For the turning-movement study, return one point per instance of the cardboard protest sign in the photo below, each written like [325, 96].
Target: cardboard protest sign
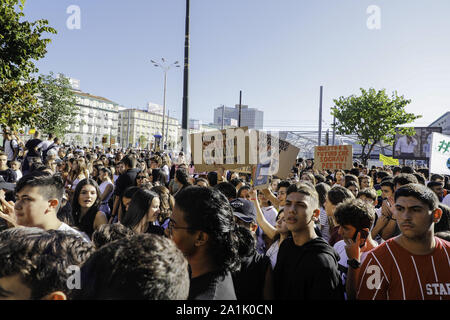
[240, 149]
[227, 149]
[282, 163]
[260, 176]
[440, 154]
[333, 157]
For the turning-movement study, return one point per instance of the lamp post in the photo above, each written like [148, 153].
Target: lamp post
[165, 67]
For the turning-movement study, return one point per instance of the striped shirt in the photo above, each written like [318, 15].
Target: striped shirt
[390, 272]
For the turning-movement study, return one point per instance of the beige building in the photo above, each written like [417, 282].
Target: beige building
[137, 128]
[96, 123]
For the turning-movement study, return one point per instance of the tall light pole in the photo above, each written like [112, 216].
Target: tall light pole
[320, 116]
[185, 115]
[165, 67]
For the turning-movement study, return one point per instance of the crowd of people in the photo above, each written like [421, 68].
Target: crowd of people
[138, 224]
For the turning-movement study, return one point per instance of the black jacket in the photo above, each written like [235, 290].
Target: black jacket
[307, 272]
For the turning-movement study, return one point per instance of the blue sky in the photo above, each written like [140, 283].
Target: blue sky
[278, 52]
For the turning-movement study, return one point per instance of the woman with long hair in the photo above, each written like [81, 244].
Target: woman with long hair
[86, 207]
[106, 190]
[63, 169]
[166, 164]
[322, 189]
[167, 202]
[76, 174]
[281, 234]
[96, 172]
[365, 181]
[277, 233]
[143, 212]
[339, 178]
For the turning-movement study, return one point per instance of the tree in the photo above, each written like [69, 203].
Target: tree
[372, 117]
[58, 105]
[21, 43]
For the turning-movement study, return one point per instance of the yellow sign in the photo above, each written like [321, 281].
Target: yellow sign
[389, 161]
[32, 131]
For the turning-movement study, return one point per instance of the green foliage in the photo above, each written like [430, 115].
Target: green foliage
[372, 117]
[21, 43]
[58, 105]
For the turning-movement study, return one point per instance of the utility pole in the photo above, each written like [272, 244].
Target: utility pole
[320, 116]
[334, 128]
[167, 129]
[185, 116]
[240, 107]
[223, 115]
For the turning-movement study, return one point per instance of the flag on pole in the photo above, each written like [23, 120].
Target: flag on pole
[388, 161]
[440, 154]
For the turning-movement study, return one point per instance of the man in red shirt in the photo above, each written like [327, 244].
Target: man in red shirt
[414, 265]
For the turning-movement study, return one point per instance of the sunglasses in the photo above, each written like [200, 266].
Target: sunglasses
[140, 177]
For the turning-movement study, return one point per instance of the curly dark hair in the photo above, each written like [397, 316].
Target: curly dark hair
[166, 201]
[338, 194]
[107, 233]
[41, 258]
[142, 267]
[227, 189]
[208, 210]
[182, 177]
[355, 212]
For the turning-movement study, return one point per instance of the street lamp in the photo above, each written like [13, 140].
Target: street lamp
[165, 67]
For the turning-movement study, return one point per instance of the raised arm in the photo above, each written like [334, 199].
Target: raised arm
[268, 229]
[271, 197]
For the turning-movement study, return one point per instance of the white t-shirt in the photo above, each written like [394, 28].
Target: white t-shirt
[166, 170]
[65, 227]
[10, 151]
[272, 253]
[446, 200]
[53, 151]
[340, 249]
[270, 213]
[19, 174]
[44, 145]
[404, 146]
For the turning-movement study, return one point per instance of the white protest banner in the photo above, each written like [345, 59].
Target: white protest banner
[440, 154]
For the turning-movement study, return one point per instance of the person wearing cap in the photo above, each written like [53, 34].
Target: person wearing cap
[253, 280]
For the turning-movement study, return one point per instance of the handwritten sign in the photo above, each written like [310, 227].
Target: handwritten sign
[333, 157]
